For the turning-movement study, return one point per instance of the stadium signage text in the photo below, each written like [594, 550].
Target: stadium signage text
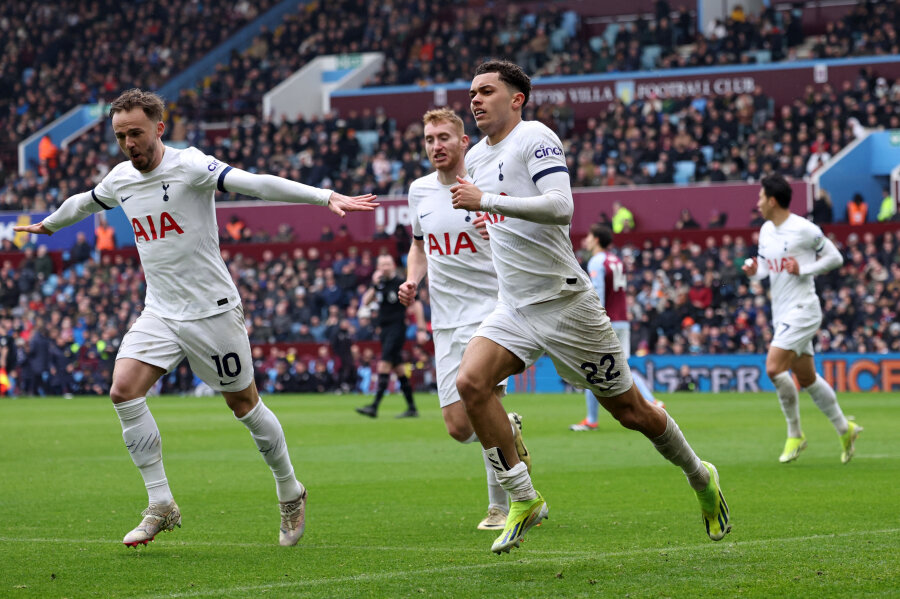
[745, 372]
[629, 91]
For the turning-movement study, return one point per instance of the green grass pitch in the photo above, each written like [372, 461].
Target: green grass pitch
[394, 503]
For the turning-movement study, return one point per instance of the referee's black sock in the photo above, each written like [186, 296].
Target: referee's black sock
[407, 391]
[383, 380]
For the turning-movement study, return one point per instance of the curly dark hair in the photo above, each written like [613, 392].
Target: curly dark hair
[510, 73]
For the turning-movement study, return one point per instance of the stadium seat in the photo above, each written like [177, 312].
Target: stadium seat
[707, 152]
[612, 30]
[684, 171]
[368, 141]
[650, 57]
[570, 23]
[651, 168]
[596, 43]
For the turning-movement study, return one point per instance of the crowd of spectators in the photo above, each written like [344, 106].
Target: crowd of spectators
[57, 55]
[730, 137]
[60, 333]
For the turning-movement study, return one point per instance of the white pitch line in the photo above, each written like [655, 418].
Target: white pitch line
[564, 553]
[526, 556]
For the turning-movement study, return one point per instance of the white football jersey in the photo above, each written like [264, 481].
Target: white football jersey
[172, 211]
[534, 262]
[795, 238]
[461, 277]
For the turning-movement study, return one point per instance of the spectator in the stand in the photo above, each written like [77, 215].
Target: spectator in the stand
[888, 208]
[686, 220]
[822, 212]
[43, 262]
[235, 228]
[81, 250]
[757, 220]
[857, 210]
[48, 154]
[718, 219]
[105, 235]
[622, 219]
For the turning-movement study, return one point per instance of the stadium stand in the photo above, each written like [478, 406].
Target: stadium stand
[358, 144]
[59, 55]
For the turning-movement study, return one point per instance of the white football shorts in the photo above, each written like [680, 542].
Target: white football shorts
[217, 347]
[796, 331]
[449, 346]
[622, 329]
[574, 331]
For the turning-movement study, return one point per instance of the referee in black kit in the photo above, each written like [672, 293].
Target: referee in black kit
[392, 323]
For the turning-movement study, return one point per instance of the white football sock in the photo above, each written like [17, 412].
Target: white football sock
[516, 482]
[269, 437]
[497, 497]
[826, 400]
[143, 442]
[674, 447]
[790, 404]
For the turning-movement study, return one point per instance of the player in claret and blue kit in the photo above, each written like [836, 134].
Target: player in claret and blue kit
[192, 308]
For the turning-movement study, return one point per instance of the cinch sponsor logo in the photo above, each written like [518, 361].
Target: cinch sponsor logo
[544, 151]
[212, 166]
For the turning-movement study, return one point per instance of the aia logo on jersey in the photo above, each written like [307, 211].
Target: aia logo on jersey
[492, 219]
[166, 224]
[777, 265]
[450, 248]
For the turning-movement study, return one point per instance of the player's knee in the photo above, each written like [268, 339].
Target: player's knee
[460, 433]
[471, 387]
[120, 392]
[773, 371]
[806, 380]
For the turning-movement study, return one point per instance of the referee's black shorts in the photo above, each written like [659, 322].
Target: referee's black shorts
[392, 338]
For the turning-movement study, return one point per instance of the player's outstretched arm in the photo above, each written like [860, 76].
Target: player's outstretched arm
[37, 228]
[278, 189]
[341, 204]
[74, 209]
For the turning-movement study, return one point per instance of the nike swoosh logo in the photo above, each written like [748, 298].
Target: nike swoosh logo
[225, 383]
[424, 215]
[125, 198]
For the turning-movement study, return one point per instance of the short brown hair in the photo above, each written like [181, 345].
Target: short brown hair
[510, 73]
[432, 117]
[152, 104]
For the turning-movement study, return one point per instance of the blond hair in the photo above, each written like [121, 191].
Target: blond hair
[444, 115]
[152, 104]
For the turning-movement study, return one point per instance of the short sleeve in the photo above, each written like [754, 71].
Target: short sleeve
[105, 192]
[816, 237]
[204, 171]
[545, 155]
